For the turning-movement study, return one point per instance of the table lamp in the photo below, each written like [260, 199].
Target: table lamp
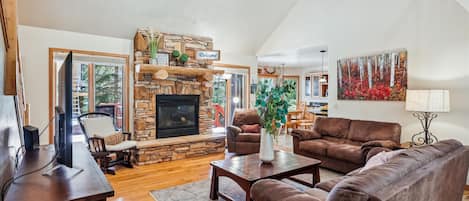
[425, 104]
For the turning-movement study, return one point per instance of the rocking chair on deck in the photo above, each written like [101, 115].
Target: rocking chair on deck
[100, 131]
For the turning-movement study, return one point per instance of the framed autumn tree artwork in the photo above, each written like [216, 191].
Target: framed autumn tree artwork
[379, 77]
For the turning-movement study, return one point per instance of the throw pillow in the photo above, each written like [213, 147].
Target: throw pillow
[254, 128]
[114, 139]
[380, 158]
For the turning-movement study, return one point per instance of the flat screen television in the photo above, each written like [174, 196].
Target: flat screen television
[63, 111]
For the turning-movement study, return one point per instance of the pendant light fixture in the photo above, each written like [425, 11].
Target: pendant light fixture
[323, 77]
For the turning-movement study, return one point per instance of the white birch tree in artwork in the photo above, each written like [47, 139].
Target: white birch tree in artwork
[393, 67]
[348, 68]
[370, 73]
[360, 68]
[381, 67]
[339, 71]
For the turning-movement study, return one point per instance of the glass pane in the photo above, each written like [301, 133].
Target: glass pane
[268, 81]
[315, 85]
[237, 93]
[219, 101]
[291, 97]
[80, 94]
[109, 91]
[308, 86]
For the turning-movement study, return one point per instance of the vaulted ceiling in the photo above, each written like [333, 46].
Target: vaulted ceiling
[238, 26]
[464, 3]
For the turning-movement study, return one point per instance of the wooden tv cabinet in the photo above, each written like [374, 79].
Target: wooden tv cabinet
[90, 184]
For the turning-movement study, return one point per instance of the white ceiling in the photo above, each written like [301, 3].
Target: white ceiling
[302, 57]
[464, 3]
[237, 26]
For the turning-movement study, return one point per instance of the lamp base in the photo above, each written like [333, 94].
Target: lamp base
[424, 137]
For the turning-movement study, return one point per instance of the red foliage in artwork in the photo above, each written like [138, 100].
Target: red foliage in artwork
[377, 77]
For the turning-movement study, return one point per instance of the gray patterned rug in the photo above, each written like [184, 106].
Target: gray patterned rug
[199, 191]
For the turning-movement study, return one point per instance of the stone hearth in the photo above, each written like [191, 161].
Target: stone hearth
[168, 149]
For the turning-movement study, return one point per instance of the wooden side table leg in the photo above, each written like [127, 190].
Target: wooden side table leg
[214, 185]
[316, 177]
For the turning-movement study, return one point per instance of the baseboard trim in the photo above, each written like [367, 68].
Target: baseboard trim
[466, 187]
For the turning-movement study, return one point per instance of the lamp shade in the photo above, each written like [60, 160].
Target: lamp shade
[427, 101]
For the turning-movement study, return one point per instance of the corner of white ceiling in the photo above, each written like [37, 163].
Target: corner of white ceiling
[464, 3]
[259, 50]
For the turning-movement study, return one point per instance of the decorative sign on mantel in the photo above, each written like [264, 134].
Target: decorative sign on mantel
[212, 55]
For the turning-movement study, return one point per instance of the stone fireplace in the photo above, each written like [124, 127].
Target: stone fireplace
[173, 115]
[177, 115]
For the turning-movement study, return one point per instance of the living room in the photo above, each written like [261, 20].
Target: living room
[169, 100]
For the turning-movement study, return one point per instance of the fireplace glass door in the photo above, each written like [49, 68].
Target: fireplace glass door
[177, 115]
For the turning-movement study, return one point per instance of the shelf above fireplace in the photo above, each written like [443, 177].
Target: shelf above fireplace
[177, 70]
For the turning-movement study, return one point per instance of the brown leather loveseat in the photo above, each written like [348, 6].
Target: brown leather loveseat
[343, 144]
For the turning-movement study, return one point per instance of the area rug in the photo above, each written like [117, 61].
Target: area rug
[199, 191]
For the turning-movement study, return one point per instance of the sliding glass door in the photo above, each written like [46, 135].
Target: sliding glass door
[230, 91]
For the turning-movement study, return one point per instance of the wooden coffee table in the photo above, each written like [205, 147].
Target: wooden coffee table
[245, 170]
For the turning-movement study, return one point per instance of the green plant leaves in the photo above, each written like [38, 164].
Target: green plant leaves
[272, 106]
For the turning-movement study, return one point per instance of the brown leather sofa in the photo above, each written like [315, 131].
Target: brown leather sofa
[343, 144]
[238, 141]
[429, 173]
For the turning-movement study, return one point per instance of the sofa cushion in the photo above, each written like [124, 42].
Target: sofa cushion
[335, 127]
[346, 152]
[248, 137]
[365, 131]
[318, 147]
[317, 193]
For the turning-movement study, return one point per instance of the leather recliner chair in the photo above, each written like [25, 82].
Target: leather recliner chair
[238, 141]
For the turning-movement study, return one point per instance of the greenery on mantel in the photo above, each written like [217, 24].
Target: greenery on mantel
[272, 106]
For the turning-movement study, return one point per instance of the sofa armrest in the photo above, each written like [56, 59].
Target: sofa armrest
[303, 134]
[371, 148]
[274, 190]
[233, 131]
[375, 150]
[381, 143]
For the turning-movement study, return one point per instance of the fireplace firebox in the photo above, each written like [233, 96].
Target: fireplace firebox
[177, 115]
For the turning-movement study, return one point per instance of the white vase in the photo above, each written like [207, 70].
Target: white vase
[266, 154]
[153, 61]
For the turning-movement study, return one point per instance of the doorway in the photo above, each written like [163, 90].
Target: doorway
[100, 84]
[230, 91]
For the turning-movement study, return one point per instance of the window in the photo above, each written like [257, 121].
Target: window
[100, 84]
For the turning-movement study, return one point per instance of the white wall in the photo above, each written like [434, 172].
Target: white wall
[435, 33]
[34, 45]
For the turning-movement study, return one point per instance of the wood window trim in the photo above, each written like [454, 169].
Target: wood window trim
[52, 80]
[9, 21]
[248, 83]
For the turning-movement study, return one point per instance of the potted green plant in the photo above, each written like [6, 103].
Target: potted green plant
[153, 46]
[272, 108]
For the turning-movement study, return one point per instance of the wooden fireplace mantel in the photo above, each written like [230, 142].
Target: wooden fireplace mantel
[177, 70]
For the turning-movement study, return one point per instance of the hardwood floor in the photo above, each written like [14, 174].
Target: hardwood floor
[135, 184]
